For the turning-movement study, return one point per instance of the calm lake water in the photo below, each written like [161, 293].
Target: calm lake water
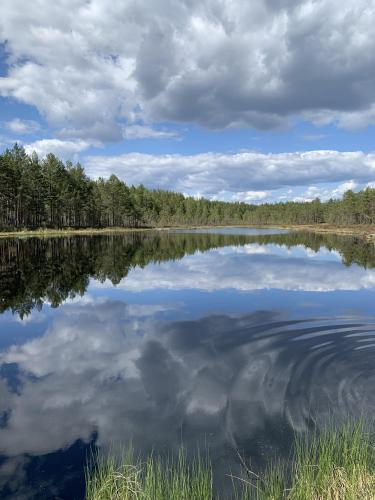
[230, 339]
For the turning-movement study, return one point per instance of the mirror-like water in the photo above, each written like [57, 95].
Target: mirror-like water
[231, 339]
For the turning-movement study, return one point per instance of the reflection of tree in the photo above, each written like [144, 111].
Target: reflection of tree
[36, 270]
[352, 250]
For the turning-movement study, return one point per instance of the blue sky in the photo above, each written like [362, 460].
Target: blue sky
[258, 101]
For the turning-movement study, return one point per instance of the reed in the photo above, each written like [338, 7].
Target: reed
[131, 478]
[337, 463]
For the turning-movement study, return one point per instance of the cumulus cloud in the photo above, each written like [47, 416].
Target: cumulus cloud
[245, 175]
[145, 132]
[61, 148]
[154, 383]
[225, 270]
[250, 196]
[89, 68]
[326, 192]
[21, 127]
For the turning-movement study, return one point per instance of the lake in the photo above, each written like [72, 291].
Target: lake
[226, 339]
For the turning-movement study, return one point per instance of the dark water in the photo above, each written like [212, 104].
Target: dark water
[231, 339]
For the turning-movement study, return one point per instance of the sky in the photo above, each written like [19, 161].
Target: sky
[258, 101]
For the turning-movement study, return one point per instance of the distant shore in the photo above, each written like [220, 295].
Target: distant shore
[364, 231]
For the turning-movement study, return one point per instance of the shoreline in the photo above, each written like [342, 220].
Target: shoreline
[364, 231]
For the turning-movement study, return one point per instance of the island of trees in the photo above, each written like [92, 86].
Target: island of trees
[49, 193]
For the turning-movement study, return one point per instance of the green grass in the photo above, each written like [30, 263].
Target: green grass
[130, 478]
[337, 463]
[360, 230]
[49, 233]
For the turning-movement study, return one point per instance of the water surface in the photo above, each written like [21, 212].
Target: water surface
[232, 339]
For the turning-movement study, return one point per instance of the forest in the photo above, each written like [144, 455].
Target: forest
[49, 193]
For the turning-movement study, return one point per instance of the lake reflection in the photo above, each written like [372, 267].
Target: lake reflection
[230, 340]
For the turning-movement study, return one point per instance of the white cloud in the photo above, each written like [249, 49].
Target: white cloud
[62, 149]
[325, 192]
[143, 132]
[250, 196]
[246, 175]
[98, 372]
[22, 127]
[345, 186]
[222, 269]
[90, 68]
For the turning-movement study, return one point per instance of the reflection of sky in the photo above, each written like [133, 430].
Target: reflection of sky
[249, 278]
[252, 267]
[180, 349]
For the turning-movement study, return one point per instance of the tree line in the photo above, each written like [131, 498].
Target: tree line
[48, 193]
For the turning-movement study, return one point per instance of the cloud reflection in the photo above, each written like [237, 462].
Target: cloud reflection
[101, 371]
[252, 267]
[116, 372]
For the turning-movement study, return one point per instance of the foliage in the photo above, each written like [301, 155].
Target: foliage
[47, 193]
[153, 479]
[337, 463]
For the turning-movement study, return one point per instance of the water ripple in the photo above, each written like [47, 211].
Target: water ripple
[299, 373]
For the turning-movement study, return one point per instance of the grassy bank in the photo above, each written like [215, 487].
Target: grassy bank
[335, 464]
[364, 231]
[338, 463]
[49, 233]
[132, 479]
